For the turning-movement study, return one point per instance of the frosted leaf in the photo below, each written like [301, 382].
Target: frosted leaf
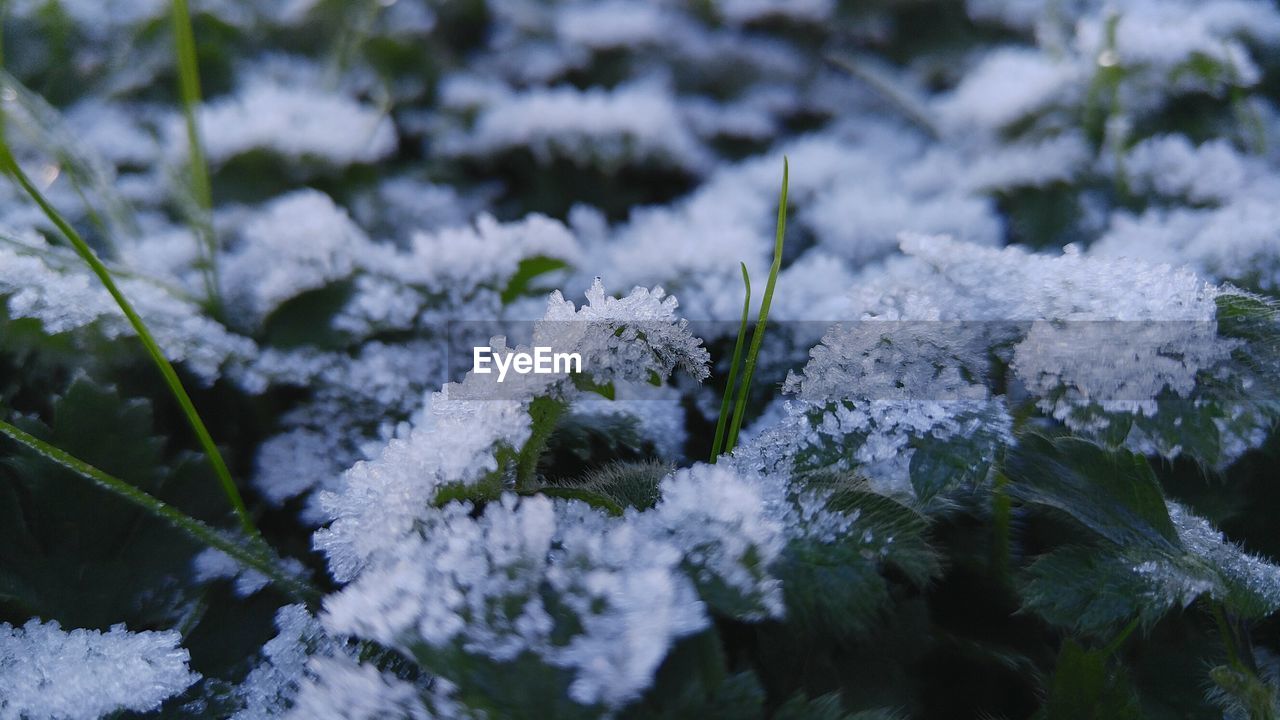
[339, 688]
[635, 337]
[613, 24]
[270, 688]
[405, 201]
[1156, 37]
[873, 390]
[746, 11]
[383, 498]
[477, 585]
[457, 436]
[1211, 566]
[46, 672]
[853, 217]
[720, 522]
[1252, 574]
[113, 131]
[633, 123]
[1159, 377]
[293, 121]
[293, 462]
[1235, 242]
[1027, 164]
[54, 287]
[1076, 368]
[1006, 86]
[168, 252]
[456, 273]
[1171, 166]
[298, 242]
[956, 278]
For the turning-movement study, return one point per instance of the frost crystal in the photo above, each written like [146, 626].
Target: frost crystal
[1250, 573]
[720, 523]
[54, 287]
[46, 672]
[294, 121]
[339, 688]
[298, 242]
[478, 584]
[630, 123]
[271, 686]
[457, 436]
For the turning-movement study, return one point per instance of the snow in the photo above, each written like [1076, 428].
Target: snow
[48, 672]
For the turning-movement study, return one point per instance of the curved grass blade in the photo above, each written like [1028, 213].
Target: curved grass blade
[757, 339]
[195, 529]
[9, 165]
[725, 404]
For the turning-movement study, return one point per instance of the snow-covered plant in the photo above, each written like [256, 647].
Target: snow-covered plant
[977, 420]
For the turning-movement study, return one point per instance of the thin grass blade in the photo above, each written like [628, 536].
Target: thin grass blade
[9, 165]
[757, 339]
[195, 529]
[201, 186]
[727, 402]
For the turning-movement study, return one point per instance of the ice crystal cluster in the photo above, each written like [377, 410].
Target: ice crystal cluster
[1023, 354]
[48, 672]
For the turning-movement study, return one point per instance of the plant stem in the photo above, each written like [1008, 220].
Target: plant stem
[762, 321]
[545, 412]
[1228, 635]
[1118, 641]
[9, 165]
[1002, 514]
[201, 187]
[195, 529]
[726, 402]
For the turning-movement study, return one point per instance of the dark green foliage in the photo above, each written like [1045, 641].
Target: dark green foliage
[1088, 590]
[1114, 494]
[74, 553]
[1086, 686]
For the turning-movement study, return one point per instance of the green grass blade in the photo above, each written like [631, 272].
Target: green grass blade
[726, 403]
[195, 529]
[9, 165]
[201, 186]
[757, 339]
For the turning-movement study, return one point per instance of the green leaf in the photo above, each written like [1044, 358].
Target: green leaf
[1090, 591]
[82, 556]
[1086, 685]
[891, 533]
[586, 383]
[938, 466]
[1113, 493]
[694, 682]
[527, 271]
[306, 320]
